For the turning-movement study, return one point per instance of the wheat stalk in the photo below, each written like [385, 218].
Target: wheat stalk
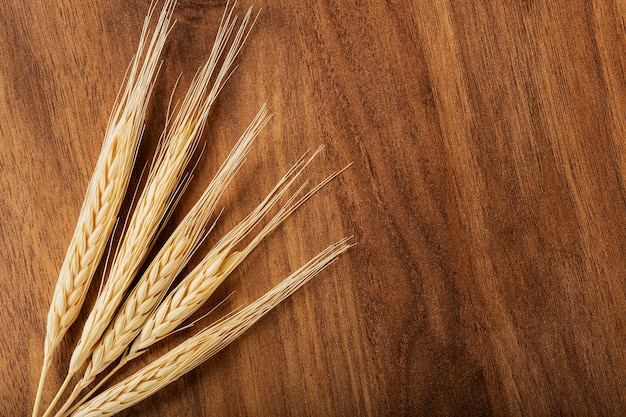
[158, 196]
[167, 264]
[105, 191]
[197, 349]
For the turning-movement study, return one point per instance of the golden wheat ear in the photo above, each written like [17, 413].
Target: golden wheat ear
[167, 264]
[197, 349]
[106, 190]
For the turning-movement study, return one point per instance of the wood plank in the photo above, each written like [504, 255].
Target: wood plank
[486, 197]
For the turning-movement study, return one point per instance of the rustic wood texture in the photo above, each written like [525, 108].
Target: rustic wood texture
[487, 199]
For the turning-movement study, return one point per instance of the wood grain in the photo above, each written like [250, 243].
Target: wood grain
[487, 197]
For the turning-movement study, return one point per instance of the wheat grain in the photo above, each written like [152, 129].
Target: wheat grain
[167, 264]
[197, 349]
[105, 191]
[158, 196]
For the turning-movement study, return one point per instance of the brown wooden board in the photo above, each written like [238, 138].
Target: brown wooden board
[486, 196]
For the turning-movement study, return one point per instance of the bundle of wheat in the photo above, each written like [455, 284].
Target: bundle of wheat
[127, 319]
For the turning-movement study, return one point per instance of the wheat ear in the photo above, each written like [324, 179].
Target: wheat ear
[197, 349]
[158, 196]
[105, 191]
[193, 291]
[167, 264]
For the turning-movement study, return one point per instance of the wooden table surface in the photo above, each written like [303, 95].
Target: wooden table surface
[487, 198]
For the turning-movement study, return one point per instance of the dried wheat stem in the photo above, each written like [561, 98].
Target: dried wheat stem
[197, 349]
[292, 205]
[167, 264]
[200, 283]
[106, 190]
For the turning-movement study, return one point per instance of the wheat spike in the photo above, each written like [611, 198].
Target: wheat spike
[158, 196]
[105, 191]
[197, 349]
[193, 291]
[167, 264]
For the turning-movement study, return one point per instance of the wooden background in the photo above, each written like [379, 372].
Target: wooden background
[487, 199]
